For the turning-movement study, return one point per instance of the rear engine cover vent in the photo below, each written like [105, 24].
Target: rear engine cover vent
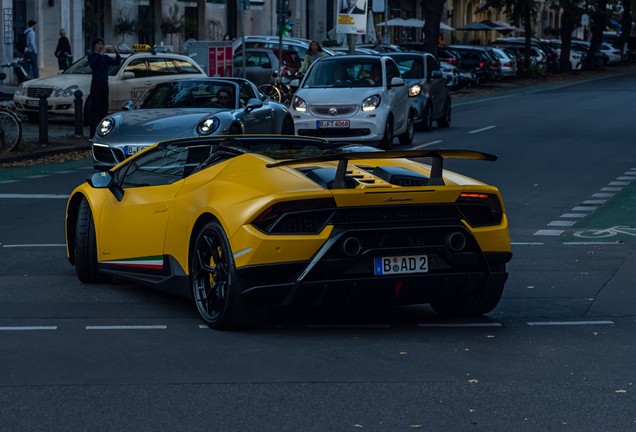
[400, 176]
[325, 177]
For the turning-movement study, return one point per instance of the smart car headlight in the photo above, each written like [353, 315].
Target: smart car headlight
[371, 103]
[299, 104]
[208, 125]
[70, 91]
[105, 126]
[415, 90]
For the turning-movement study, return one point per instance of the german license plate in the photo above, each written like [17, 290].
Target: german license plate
[401, 265]
[131, 150]
[33, 103]
[332, 124]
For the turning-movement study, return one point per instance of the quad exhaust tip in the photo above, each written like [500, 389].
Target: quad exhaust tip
[351, 246]
[456, 241]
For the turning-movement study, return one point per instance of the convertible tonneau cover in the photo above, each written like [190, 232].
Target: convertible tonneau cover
[436, 168]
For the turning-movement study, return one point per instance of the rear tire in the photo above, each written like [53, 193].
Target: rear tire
[234, 130]
[86, 247]
[445, 121]
[288, 127]
[479, 304]
[407, 137]
[387, 139]
[216, 286]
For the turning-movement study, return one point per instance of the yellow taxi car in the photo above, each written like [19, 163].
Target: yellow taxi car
[246, 223]
[140, 68]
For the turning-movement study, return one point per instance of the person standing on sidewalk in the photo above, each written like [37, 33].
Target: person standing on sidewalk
[63, 50]
[99, 63]
[31, 53]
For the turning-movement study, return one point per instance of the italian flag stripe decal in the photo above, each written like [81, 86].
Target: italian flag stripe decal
[150, 262]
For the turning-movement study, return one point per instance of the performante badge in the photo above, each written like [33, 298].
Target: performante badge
[333, 111]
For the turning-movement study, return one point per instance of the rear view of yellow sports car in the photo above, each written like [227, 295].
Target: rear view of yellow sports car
[249, 223]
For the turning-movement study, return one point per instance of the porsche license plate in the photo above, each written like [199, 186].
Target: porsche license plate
[131, 150]
[33, 103]
[332, 124]
[401, 265]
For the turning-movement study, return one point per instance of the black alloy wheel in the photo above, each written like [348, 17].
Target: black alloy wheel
[234, 130]
[86, 267]
[445, 121]
[387, 139]
[216, 287]
[427, 122]
[407, 137]
[288, 127]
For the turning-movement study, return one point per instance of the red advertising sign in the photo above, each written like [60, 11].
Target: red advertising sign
[220, 62]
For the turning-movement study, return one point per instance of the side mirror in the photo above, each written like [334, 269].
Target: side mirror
[253, 104]
[294, 83]
[127, 75]
[397, 82]
[436, 74]
[127, 106]
[103, 180]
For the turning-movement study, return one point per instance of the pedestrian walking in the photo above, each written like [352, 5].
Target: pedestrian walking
[63, 50]
[31, 53]
[314, 53]
[99, 62]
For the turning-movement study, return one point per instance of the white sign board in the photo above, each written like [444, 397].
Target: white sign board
[378, 6]
[352, 16]
[585, 20]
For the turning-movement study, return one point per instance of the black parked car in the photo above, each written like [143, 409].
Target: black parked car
[478, 61]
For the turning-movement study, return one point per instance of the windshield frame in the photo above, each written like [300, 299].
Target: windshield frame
[334, 61]
[194, 81]
[112, 70]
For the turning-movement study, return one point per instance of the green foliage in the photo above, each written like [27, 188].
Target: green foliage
[146, 25]
[173, 23]
[125, 26]
[92, 21]
[535, 71]
[329, 43]
[25, 147]
[190, 26]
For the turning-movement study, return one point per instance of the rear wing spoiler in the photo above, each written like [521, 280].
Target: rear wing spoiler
[437, 166]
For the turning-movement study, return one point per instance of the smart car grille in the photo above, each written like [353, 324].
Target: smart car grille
[34, 92]
[395, 213]
[341, 110]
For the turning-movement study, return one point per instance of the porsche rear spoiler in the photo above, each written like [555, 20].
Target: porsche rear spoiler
[436, 167]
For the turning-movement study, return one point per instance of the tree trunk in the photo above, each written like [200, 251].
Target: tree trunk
[598, 25]
[567, 26]
[527, 25]
[626, 23]
[432, 18]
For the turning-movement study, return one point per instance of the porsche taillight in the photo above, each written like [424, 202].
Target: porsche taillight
[296, 217]
[480, 209]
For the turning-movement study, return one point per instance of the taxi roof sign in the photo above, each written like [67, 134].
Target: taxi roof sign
[141, 47]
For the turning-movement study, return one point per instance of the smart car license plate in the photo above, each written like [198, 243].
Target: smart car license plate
[401, 265]
[34, 103]
[332, 124]
[131, 150]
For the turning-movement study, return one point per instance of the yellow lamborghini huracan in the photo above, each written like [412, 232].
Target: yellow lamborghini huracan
[248, 223]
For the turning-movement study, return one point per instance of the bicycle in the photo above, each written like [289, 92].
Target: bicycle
[10, 123]
[607, 232]
[277, 92]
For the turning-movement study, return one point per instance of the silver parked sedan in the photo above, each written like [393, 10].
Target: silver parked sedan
[187, 108]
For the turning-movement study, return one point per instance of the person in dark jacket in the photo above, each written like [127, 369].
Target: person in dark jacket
[63, 50]
[99, 63]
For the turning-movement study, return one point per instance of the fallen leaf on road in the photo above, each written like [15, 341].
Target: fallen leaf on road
[26, 275]
[590, 252]
[416, 426]
[619, 241]
[471, 410]
[621, 391]
[590, 299]
[355, 338]
[490, 336]
[473, 422]
[466, 349]
[531, 286]
[595, 334]
[473, 381]
[357, 425]
[403, 352]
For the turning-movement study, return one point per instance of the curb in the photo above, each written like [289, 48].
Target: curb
[43, 153]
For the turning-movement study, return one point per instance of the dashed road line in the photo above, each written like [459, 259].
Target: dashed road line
[584, 208]
[611, 189]
[460, 325]
[131, 327]
[619, 183]
[63, 172]
[574, 215]
[555, 323]
[526, 243]
[28, 328]
[9, 181]
[482, 129]
[554, 233]
[590, 243]
[36, 176]
[599, 202]
[561, 223]
[347, 326]
[427, 144]
[34, 245]
[626, 178]
[36, 196]
[603, 195]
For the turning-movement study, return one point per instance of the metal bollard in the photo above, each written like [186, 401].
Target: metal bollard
[44, 118]
[79, 115]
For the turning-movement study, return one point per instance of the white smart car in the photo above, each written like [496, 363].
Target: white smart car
[354, 98]
[128, 81]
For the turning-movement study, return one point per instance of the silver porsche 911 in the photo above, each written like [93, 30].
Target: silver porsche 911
[187, 108]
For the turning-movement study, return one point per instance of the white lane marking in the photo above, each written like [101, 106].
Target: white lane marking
[63, 172]
[135, 327]
[590, 243]
[36, 245]
[29, 328]
[549, 232]
[33, 196]
[482, 129]
[36, 176]
[603, 195]
[545, 323]
[612, 189]
[630, 173]
[347, 326]
[461, 325]
[9, 181]
[561, 223]
[595, 202]
[526, 243]
[273, 326]
[573, 215]
[626, 178]
[427, 144]
[615, 183]
[582, 208]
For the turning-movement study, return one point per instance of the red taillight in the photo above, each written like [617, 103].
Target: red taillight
[276, 211]
[287, 72]
[506, 64]
[482, 64]
[490, 200]
[451, 60]
[616, 53]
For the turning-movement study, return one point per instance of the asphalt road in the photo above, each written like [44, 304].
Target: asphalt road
[557, 354]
